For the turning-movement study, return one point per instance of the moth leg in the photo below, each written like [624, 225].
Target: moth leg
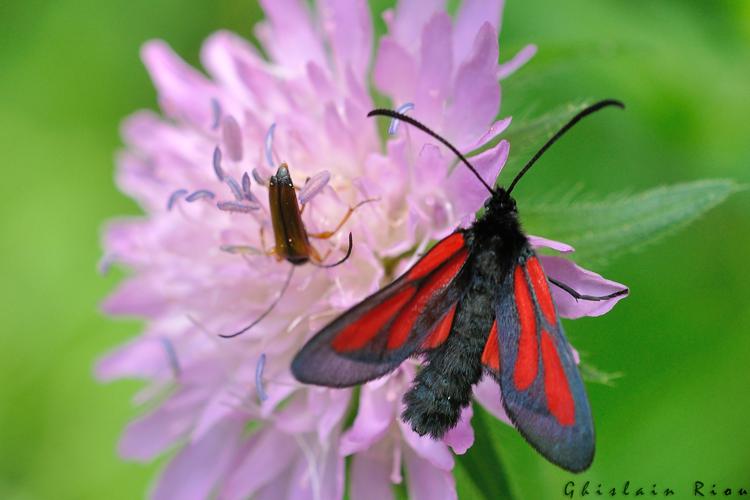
[580, 296]
[324, 235]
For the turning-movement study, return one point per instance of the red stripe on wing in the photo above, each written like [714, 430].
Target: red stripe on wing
[559, 398]
[541, 289]
[404, 323]
[440, 333]
[527, 360]
[491, 353]
[359, 333]
[440, 253]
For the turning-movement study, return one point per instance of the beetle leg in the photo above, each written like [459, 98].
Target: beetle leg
[324, 235]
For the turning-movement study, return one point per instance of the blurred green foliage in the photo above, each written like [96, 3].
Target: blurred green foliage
[71, 72]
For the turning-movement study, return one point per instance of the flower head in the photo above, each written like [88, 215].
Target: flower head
[241, 425]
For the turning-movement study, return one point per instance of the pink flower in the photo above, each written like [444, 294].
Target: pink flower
[197, 259]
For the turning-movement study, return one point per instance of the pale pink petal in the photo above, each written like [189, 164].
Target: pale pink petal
[539, 242]
[461, 437]
[476, 95]
[432, 450]
[466, 190]
[267, 456]
[348, 26]
[224, 54]
[289, 37]
[374, 416]
[318, 473]
[210, 456]
[330, 406]
[425, 481]
[141, 358]
[521, 58]
[435, 69]
[495, 129]
[471, 16]
[582, 281]
[183, 91]
[487, 393]
[410, 18]
[370, 476]
[395, 71]
[150, 435]
[135, 297]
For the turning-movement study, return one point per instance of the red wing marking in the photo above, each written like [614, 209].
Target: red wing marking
[527, 359]
[491, 353]
[437, 256]
[541, 288]
[556, 387]
[404, 323]
[364, 329]
[440, 333]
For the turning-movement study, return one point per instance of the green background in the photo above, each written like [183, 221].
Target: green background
[70, 73]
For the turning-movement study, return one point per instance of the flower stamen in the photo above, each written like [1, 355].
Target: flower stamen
[174, 197]
[200, 194]
[268, 145]
[169, 350]
[234, 206]
[262, 395]
[216, 111]
[217, 164]
[313, 186]
[393, 127]
[235, 187]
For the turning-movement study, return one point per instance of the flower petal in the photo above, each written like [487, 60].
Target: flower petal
[183, 91]
[432, 450]
[211, 456]
[374, 416]
[395, 71]
[472, 15]
[426, 482]
[435, 69]
[476, 94]
[584, 282]
[540, 242]
[348, 26]
[466, 190]
[522, 57]
[152, 434]
[268, 454]
[288, 36]
[487, 393]
[410, 18]
[370, 476]
[461, 437]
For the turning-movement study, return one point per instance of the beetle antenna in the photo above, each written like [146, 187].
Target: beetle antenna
[411, 121]
[267, 311]
[581, 114]
[344, 259]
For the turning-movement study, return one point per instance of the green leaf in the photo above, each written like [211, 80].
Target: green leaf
[600, 230]
[481, 464]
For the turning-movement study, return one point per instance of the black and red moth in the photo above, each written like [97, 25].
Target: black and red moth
[478, 302]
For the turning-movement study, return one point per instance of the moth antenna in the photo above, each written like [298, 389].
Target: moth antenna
[411, 121]
[344, 259]
[267, 311]
[581, 114]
